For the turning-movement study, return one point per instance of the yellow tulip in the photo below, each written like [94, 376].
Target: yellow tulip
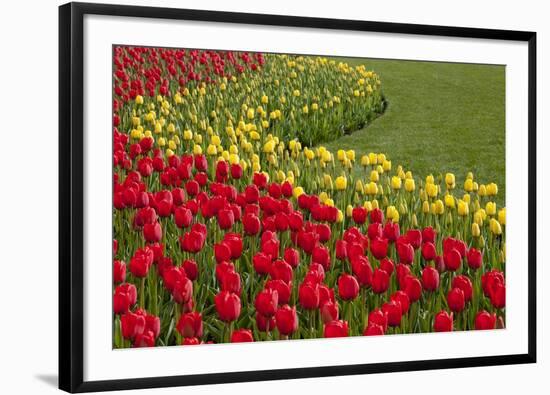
[341, 183]
[492, 189]
[426, 207]
[431, 190]
[365, 160]
[491, 208]
[374, 176]
[269, 146]
[139, 99]
[409, 185]
[449, 201]
[495, 227]
[502, 216]
[450, 180]
[469, 185]
[197, 150]
[439, 207]
[475, 230]
[386, 165]
[297, 191]
[396, 182]
[463, 208]
[349, 210]
[482, 190]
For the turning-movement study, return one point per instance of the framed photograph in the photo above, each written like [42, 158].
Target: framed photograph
[258, 197]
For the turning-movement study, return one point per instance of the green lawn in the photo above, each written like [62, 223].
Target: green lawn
[442, 117]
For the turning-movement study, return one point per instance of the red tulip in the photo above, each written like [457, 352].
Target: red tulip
[428, 251]
[413, 288]
[373, 330]
[251, 224]
[124, 298]
[498, 296]
[182, 291]
[392, 309]
[452, 259]
[152, 232]
[402, 298]
[464, 283]
[362, 269]
[428, 235]
[222, 252]
[119, 271]
[292, 257]
[336, 328]
[283, 290]
[405, 252]
[228, 306]
[341, 249]
[265, 324]
[455, 300]
[380, 281]
[329, 311]
[226, 218]
[191, 269]
[132, 324]
[376, 216]
[261, 263]
[145, 339]
[387, 265]
[348, 287]
[359, 215]
[280, 270]
[266, 302]
[242, 336]
[141, 262]
[443, 322]
[485, 320]
[379, 318]
[391, 231]
[183, 217]
[190, 325]
[308, 295]
[430, 279]
[474, 258]
[321, 255]
[414, 236]
[379, 248]
[286, 320]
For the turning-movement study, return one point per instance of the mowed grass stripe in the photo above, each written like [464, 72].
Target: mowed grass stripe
[442, 117]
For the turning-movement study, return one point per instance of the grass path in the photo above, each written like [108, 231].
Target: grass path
[442, 117]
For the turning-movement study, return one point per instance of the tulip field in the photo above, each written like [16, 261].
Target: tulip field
[233, 223]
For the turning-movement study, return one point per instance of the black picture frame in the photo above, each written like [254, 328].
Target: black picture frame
[71, 204]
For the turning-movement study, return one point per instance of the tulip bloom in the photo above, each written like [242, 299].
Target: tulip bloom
[443, 322]
[485, 320]
[392, 309]
[379, 248]
[266, 302]
[190, 325]
[430, 279]
[228, 306]
[380, 281]
[308, 295]
[336, 328]
[348, 287]
[242, 336]
[286, 320]
[455, 300]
